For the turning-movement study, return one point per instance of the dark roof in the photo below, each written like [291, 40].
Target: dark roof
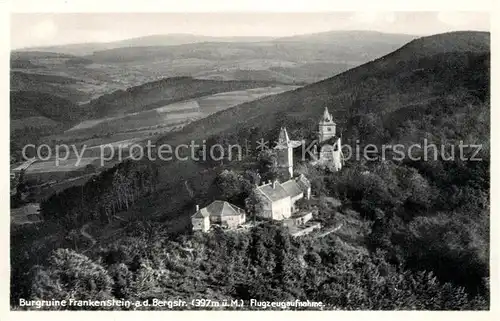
[274, 194]
[292, 188]
[219, 208]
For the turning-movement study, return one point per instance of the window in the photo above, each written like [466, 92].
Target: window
[329, 129]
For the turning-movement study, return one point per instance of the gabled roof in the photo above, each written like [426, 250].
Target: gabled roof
[327, 117]
[201, 213]
[292, 188]
[220, 209]
[274, 194]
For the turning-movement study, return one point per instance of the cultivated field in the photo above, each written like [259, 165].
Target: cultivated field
[163, 119]
[214, 103]
[135, 128]
[64, 165]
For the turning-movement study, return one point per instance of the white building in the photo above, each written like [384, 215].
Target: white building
[279, 199]
[275, 200]
[219, 213]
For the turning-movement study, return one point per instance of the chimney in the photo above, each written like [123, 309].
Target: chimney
[197, 207]
[274, 184]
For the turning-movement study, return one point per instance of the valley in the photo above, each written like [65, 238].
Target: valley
[96, 138]
[90, 73]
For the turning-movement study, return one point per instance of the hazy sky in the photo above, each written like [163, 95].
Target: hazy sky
[42, 29]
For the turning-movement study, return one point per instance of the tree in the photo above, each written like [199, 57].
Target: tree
[229, 184]
[268, 164]
[253, 204]
[123, 280]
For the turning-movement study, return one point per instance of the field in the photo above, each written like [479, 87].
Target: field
[161, 120]
[64, 165]
[214, 103]
[88, 124]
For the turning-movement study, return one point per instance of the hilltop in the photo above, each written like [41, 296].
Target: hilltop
[81, 49]
[419, 237]
[307, 58]
[99, 69]
[161, 40]
[354, 38]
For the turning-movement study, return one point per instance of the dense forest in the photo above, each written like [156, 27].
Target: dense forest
[102, 197]
[425, 245]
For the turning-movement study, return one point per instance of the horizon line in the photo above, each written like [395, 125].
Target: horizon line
[264, 38]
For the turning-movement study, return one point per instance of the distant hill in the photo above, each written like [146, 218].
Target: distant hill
[343, 46]
[292, 60]
[60, 86]
[330, 37]
[80, 49]
[34, 115]
[441, 74]
[24, 54]
[105, 67]
[351, 37]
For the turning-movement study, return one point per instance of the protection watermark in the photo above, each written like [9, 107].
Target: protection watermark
[199, 151]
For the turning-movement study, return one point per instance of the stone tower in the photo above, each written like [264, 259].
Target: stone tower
[326, 127]
[284, 151]
[330, 144]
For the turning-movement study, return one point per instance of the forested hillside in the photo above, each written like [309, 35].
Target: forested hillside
[34, 115]
[407, 78]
